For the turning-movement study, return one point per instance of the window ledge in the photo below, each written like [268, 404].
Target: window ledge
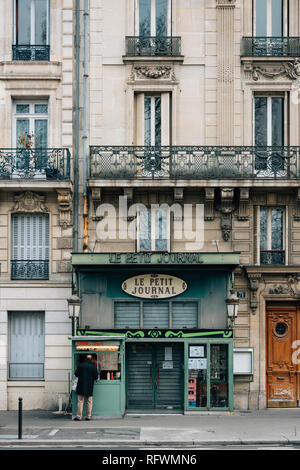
[20, 70]
[25, 383]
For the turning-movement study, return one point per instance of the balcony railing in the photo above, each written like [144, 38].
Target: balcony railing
[272, 257]
[28, 52]
[153, 46]
[51, 164]
[29, 269]
[191, 162]
[270, 47]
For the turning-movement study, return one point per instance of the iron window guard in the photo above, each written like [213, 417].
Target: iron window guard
[44, 163]
[153, 45]
[270, 47]
[29, 269]
[193, 162]
[30, 53]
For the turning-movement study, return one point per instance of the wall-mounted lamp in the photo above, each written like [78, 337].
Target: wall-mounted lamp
[232, 303]
[74, 311]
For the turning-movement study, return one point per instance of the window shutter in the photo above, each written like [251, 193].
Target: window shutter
[30, 237]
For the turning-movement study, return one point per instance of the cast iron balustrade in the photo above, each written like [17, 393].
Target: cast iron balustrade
[30, 53]
[29, 269]
[153, 46]
[272, 257]
[270, 47]
[50, 164]
[192, 162]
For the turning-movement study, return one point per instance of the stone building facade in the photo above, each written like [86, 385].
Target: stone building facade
[173, 105]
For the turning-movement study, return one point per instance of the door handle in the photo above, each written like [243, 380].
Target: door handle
[280, 378]
[150, 376]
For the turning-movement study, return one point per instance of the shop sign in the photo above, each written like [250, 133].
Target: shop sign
[154, 286]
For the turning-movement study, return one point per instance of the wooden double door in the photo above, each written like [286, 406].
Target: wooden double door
[283, 355]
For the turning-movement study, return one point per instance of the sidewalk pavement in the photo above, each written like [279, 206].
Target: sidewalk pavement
[48, 428]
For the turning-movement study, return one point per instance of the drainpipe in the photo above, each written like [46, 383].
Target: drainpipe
[76, 142]
[84, 137]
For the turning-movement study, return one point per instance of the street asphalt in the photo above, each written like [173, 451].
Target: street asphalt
[50, 429]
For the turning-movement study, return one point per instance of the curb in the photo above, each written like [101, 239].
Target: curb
[96, 442]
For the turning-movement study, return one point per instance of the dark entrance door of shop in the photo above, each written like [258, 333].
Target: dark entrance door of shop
[154, 375]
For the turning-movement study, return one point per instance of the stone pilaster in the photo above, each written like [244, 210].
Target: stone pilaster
[225, 71]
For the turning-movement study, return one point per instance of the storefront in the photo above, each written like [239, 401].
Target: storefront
[159, 332]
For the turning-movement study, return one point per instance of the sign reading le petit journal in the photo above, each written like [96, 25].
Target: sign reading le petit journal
[154, 286]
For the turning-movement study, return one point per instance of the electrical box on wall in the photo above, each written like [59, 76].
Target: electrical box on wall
[243, 361]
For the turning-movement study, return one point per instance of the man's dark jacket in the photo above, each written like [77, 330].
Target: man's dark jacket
[87, 373]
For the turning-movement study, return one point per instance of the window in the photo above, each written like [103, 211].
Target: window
[26, 345]
[152, 119]
[30, 246]
[31, 30]
[31, 124]
[269, 18]
[30, 137]
[145, 314]
[153, 230]
[154, 17]
[272, 236]
[269, 131]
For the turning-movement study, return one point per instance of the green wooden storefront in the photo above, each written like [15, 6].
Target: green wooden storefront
[173, 353]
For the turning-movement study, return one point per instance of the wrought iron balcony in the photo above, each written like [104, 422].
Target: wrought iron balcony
[30, 53]
[51, 164]
[191, 162]
[272, 257]
[153, 46]
[270, 47]
[29, 269]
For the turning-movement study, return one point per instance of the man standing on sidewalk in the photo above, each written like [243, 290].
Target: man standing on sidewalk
[87, 373]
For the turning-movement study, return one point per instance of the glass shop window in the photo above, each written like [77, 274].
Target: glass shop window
[106, 357]
[197, 376]
[208, 376]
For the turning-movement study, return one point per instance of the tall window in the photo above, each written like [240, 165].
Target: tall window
[31, 30]
[153, 230]
[269, 16]
[153, 119]
[26, 345]
[154, 17]
[269, 131]
[272, 235]
[30, 246]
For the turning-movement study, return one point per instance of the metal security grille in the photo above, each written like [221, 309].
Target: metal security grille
[156, 314]
[26, 345]
[149, 383]
[184, 315]
[127, 315]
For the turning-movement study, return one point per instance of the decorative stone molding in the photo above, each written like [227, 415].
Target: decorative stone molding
[209, 213]
[152, 72]
[96, 199]
[178, 194]
[243, 211]
[29, 202]
[291, 287]
[254, 279]
[64, 200]
[273, 71]
[226, 205]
